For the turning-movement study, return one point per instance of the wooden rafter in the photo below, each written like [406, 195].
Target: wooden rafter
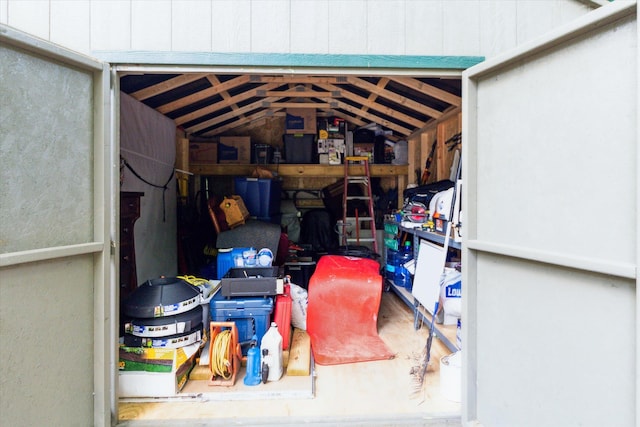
[430, 90]
[372, 117]
[388, 111]
[166, 86]
[203, 94]
[194, 115]
[224, 117]
[242, 122]
[392, 96]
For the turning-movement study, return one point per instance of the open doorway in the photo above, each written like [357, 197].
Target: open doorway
[397, 319]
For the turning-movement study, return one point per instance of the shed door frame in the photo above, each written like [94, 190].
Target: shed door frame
[489, 253]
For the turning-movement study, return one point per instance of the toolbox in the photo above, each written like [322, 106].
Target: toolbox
[251, 281]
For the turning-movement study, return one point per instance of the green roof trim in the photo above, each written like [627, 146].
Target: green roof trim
[289, 60]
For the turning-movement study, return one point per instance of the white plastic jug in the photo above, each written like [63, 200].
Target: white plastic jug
[271, 351]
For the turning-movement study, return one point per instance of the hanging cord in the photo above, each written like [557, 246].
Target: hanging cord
[221, 355]
[164, 187]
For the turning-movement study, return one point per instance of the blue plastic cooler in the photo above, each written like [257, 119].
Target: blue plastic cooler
[251, 314]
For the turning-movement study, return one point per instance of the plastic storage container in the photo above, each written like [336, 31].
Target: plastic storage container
[262, 154]
[261, 196]
[391, 265]
[226, 260]
[300, 272]
[300, 148]
[402, 276]
[282, 316]
[251, 315]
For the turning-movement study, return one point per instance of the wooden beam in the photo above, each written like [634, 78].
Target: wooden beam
[299, 354]
[279, 105]
[297, 79]
[372, 117]
[377, 107]
[194, 115]
[203, 94]
[297, 170]
[243, 121]
[224, 117]
[399, 99]
[166, 86]
[429, 90]
[295, 93]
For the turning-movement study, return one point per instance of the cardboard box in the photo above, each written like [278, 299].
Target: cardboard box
[155, 372]
[234, 149]
[301, 120]
[203, 152]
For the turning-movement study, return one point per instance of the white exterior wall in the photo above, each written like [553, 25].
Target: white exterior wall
[365, 27]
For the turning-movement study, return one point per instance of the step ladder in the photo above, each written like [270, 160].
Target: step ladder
[359, 229]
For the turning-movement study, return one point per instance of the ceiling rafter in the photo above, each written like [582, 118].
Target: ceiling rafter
[166, 86]
[242, 122]
[194, 115]
[388, 111]
[392, 96]
[203, 94]
[372, 117]
[212, 103]
[224, 117]
[429, 90]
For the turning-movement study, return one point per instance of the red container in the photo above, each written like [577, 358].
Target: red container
[282, 316]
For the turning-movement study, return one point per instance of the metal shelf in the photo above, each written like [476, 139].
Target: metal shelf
[446, 333]
[431, 236]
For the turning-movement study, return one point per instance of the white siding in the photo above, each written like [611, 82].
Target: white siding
[270, 26]
[347, 21]
[70, 24]
[373, 27]
[231, 23]
[3, 11]
[385, 27]
[501, 16]
[151, 27]
[31, 16]
[111, 25]
[309, 29]
[424, 27]
[191, 25]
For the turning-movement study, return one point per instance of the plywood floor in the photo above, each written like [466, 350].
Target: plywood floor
[369, 393]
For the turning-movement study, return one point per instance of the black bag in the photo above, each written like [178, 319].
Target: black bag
[424, 193]
[318, 230]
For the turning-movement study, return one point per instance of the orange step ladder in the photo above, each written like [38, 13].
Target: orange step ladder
[354, 226]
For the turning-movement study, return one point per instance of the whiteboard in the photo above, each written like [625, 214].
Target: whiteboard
[429, 268]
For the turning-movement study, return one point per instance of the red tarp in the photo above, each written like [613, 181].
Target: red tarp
[342, 313]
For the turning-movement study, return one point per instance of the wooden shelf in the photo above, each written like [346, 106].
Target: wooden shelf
[300, 170]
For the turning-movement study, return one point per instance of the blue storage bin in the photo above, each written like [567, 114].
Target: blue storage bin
[224, 260]
[252, 316]
[261, 196]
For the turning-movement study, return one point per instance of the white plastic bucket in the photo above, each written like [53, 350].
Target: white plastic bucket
[451, 376]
